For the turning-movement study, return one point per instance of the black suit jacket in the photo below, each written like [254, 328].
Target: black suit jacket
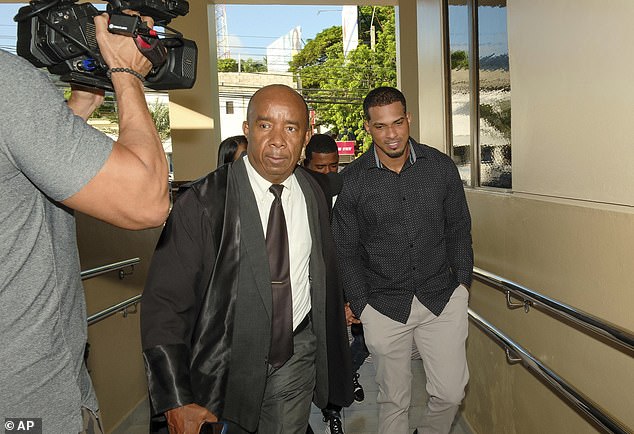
[206, 307]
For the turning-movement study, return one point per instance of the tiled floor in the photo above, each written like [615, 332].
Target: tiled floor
[359, 418]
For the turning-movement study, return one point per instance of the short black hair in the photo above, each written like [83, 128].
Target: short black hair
[228, 147]
[320, 143]
[381, 96]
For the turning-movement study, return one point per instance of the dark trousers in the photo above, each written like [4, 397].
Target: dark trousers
[358, 349]
[289, 391]
[359, 353]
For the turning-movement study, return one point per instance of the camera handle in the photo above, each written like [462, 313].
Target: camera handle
[145, 38]
[152, 48]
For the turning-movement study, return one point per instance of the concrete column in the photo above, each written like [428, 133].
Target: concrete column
[431, 73]
[407, 59]
[194, 113]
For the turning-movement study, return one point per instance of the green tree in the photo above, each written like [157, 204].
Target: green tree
[311, 60]
[248, 65]
[107, 110]
[161, 117]
[498, 116]
[227, 65]
[251, 65]
[335, 86]
[459, 60]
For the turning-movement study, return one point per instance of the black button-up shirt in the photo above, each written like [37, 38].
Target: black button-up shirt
[402, 234]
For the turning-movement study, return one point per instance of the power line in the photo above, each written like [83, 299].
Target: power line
[261, 48]
[254, 37]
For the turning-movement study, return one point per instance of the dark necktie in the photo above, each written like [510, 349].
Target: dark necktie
[277, 249]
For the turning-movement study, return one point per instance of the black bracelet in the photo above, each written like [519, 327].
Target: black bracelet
[128, 70]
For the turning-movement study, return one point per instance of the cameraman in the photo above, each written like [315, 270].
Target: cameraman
[51, 163]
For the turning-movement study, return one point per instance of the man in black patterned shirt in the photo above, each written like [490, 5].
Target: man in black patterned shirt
[403, 235]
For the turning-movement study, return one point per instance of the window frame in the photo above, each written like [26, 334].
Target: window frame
[474, 95]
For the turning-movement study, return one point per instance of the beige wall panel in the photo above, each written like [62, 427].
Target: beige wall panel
[482, 416]
[196, 154]
[573, 98]
[558, 245]
[508, 399]
[574, 254]
[115, 361]
[195, 113]
[431, 74]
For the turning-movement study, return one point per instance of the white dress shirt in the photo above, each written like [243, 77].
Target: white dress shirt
[298, 231]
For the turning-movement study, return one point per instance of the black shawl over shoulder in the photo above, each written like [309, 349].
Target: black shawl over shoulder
[188, 305]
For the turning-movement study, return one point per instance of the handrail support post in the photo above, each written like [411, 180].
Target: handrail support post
[123, 273]
[129, 310]
[512, 305]
[509, 358]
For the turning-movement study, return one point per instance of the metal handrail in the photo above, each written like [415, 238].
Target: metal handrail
[93, 272]
[578, 399]
[611, 331]
[113, 309]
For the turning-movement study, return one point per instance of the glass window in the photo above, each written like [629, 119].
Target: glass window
[487, 141]
[229, 107]
[494, 89]
[460, 88]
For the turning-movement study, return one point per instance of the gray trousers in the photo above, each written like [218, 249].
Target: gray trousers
[441, 343]
[289, 391]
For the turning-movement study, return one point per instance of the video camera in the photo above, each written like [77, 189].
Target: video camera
[60, 35]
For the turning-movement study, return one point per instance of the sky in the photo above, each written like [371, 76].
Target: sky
[7, 26]
[254, 27]
[248, 26]
[492, 20]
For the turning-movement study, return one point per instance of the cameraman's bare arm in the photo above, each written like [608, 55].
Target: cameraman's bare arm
[84, 101]
[131, 189]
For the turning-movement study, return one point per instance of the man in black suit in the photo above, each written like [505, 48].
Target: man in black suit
[322, 156]
[210, 314]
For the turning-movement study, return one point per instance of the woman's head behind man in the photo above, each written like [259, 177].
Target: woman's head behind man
[231, 149]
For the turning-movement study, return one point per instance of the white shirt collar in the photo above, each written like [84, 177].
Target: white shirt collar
[261, 186]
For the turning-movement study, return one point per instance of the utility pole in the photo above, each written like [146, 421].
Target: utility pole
[222, 38]
[372, 30]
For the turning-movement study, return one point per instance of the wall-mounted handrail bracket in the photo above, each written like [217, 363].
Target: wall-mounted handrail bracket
[516, 353]
[119, 307]
[623, 337]
[130, 310]
[512, 305]
[123, 273]
[511, 359]
[98, 271]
